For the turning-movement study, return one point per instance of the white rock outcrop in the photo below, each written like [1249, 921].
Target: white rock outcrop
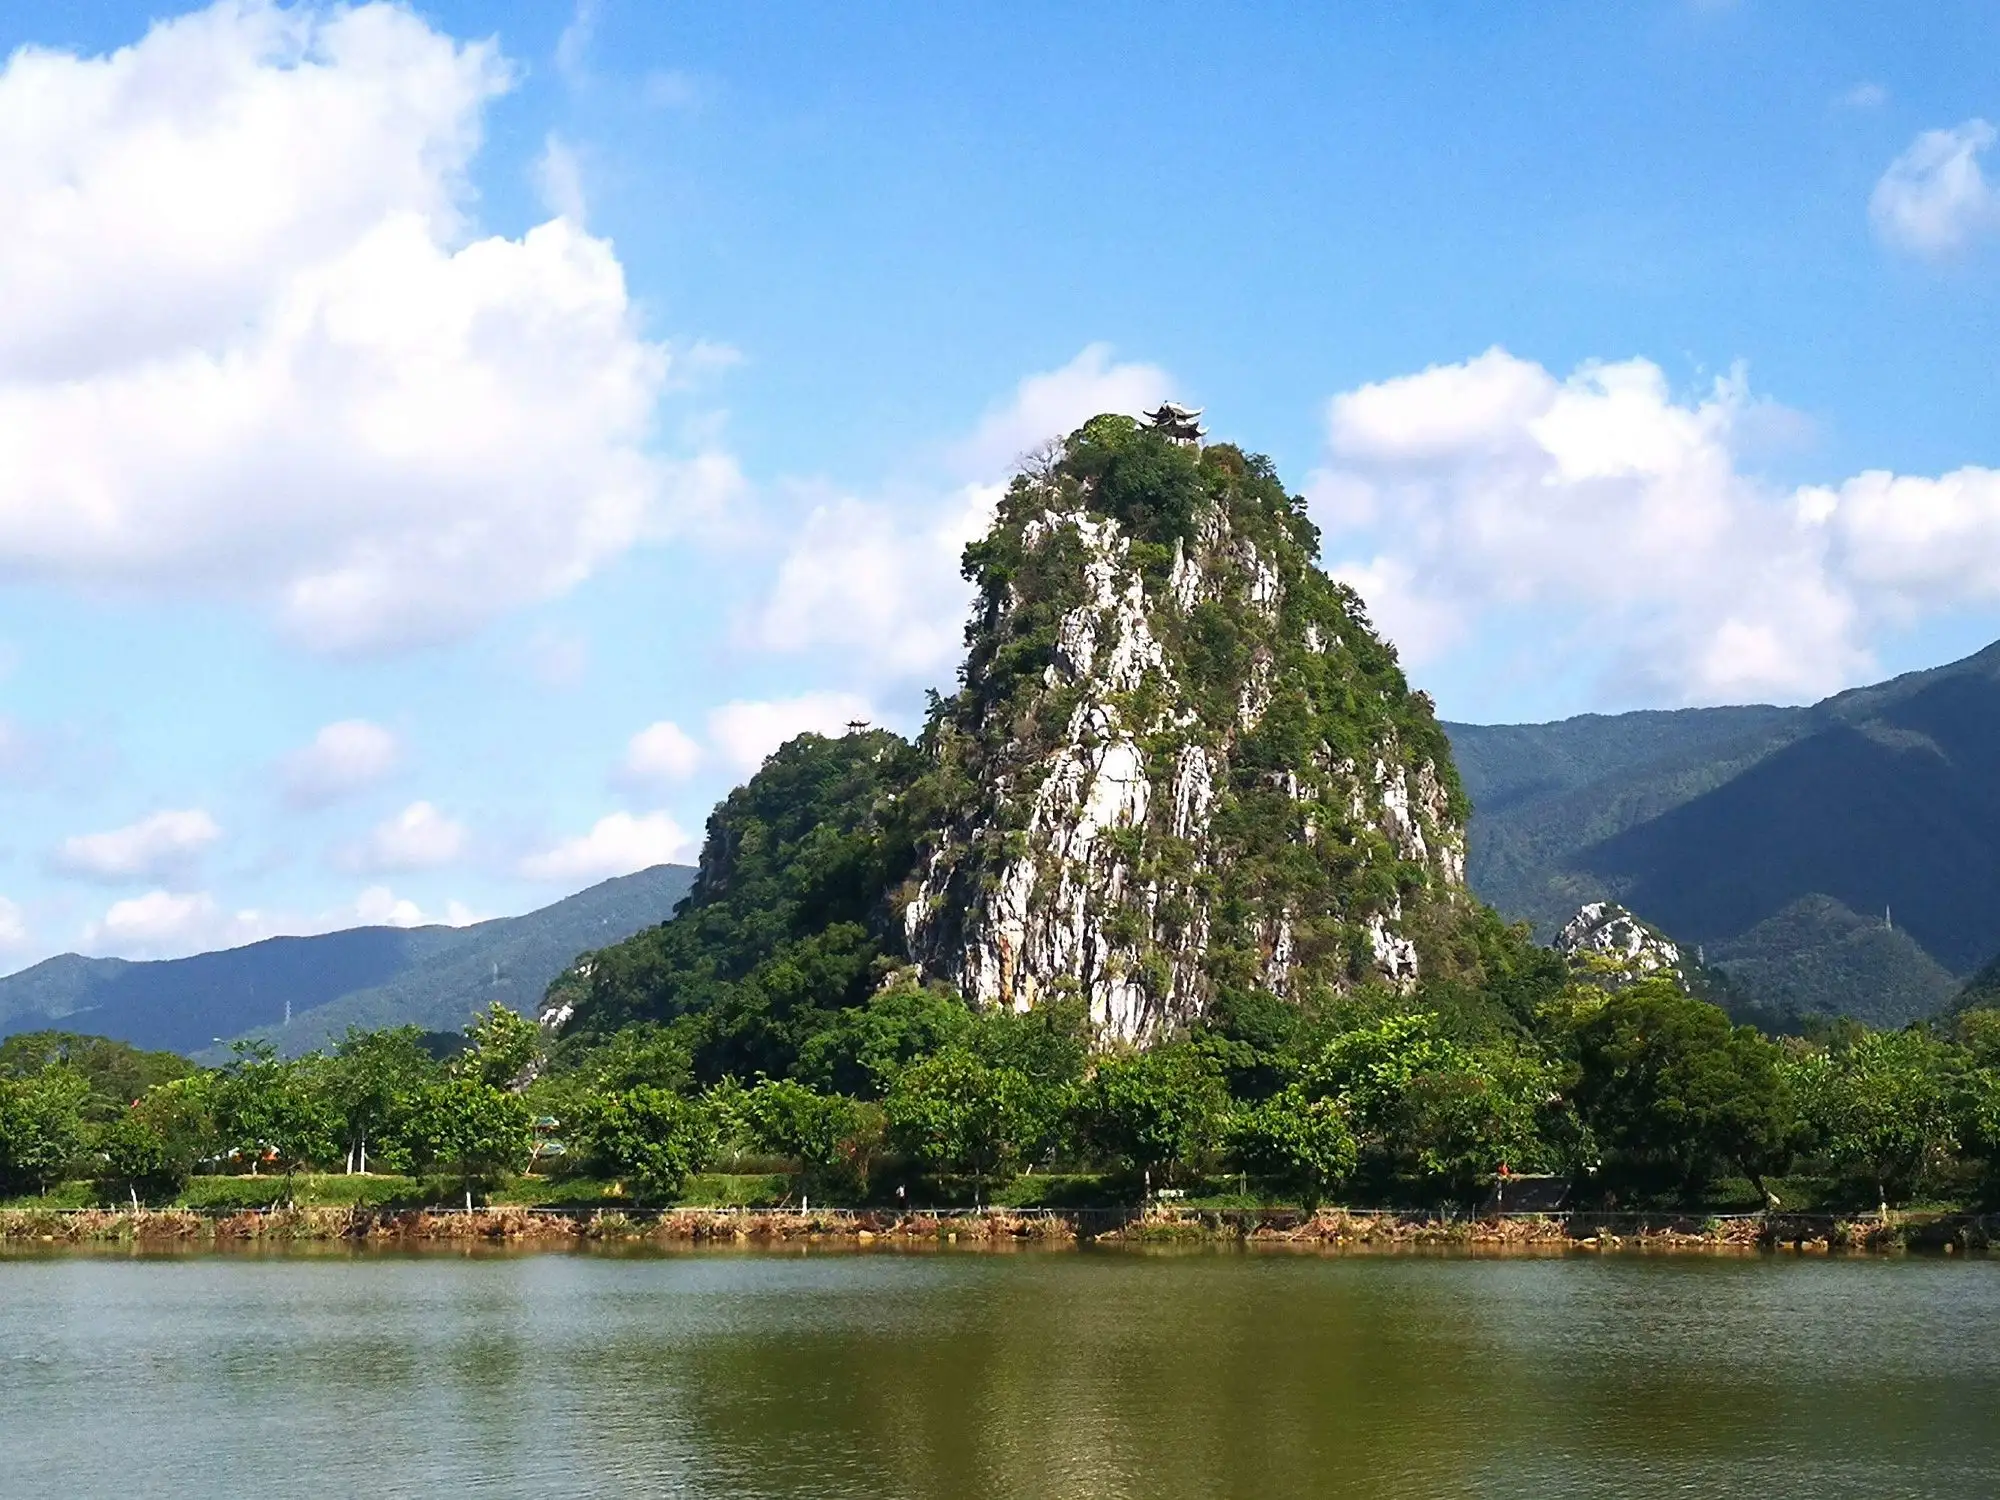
[1606, 940]
[1092, 865]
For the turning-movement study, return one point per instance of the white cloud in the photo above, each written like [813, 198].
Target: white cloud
[558, 177]
[168, 924]
[250, 347]
[417, 838]
[878, 583]
[659, 754]
[1934, 199]
[1865, 96]
[573, 46]
[616, 845]
[1910, 543]
[173, 924]
[343, 758]
[746, 732]
[1055, 402]
[1621, 521]
[164, 843]
[879, 580]
[14, 934]
[378, 906]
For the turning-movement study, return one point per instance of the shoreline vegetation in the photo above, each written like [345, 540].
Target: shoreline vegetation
[1359, 1230]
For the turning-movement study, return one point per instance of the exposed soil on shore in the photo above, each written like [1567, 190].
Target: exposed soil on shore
[1329, 1230]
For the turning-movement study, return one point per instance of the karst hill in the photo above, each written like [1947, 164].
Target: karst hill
[1179, 768]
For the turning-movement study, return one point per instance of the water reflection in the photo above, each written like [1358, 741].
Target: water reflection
[1091, 1374]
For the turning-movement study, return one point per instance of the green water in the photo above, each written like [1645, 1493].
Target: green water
[1057, 1374]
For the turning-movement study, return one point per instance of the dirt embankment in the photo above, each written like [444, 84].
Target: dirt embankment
[1329, 1230]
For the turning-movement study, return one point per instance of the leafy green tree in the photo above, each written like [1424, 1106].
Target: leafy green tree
[271, 1109]
[502, 1045]
[152, 1149]
[863, 1049]
[954, 1113]
[371, 1079]
[118, 1073]
[139, 1160]
[1164, 1109]
[1978, 1032]
[1672, 1091]
[41, 1128]
[1302, 1141]
[653, 1136]
[468, 1127]
[1427, 1108]
[1881, 1108]
[1977, 1120]
[645, 1054]
[833, 1138]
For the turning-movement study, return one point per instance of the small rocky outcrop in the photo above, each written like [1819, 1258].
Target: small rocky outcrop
[1607, 943]
[1180, 760]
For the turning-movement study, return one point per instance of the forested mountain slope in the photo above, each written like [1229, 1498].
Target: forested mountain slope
[433, 976]
[1771, 837]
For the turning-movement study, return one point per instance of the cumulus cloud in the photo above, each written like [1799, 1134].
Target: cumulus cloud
[1622, 517]
[878, 582]
[378, 906]
[1934, 200]
[616, 845]
[250, 344]
[417, 838]
[659, 754]
[558, 174]
[746, 732]
[171, 924]
[878, 579]
[1050, 403]
[344, 757]
[164, 843]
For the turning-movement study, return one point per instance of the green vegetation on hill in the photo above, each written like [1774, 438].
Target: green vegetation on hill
[1816, 956]
[786, 925]
[1760, 834]
[1286, 802]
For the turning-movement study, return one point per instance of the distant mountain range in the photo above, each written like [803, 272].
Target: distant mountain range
[434, 977]
[1843, 857]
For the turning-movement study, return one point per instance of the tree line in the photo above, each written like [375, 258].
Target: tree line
[1638, 1093]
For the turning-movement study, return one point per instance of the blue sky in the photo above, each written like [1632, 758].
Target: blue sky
[442, 448]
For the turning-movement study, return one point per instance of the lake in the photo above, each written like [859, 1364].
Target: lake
[1092, 1373]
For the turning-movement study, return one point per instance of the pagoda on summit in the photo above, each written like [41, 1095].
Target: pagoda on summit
[1177, 422]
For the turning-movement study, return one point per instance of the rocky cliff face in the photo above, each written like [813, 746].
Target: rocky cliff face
[1607, 943]
[1179, 761]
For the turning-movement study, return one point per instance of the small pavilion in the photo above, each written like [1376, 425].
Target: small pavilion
[1178, 423]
